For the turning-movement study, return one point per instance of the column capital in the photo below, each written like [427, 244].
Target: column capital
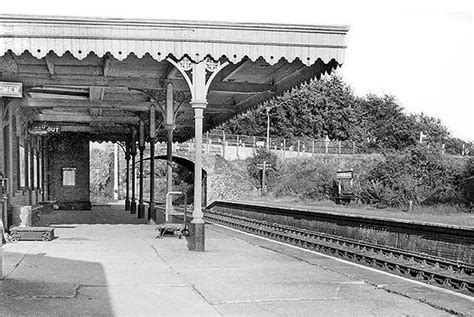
[198, 104]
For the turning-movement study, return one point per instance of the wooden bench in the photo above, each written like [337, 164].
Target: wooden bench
[32, 233]
[175, 228]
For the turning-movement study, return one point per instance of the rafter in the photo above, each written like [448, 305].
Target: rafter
[236, 70]
[106, 65]
[49, 64]
[85, 104]
[82, 118]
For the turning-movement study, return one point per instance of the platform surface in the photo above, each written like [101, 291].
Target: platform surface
[120, 269]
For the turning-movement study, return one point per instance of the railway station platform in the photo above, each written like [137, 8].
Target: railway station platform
[106, 262]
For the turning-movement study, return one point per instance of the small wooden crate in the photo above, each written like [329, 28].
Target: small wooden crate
[32, 233]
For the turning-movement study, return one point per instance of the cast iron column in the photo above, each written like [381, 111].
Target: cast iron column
[151, 210]
[133, 152]
[127, 180]
[198, 85]
[141, 148]
[197, 224]
[169, 127]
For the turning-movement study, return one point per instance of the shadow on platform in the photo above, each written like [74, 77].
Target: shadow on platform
[39, 285]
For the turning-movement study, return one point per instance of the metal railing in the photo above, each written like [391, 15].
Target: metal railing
[235, 146]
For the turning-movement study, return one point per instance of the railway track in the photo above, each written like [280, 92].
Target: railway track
[437, 271]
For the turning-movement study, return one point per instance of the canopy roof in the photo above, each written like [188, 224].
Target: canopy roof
[97, 75]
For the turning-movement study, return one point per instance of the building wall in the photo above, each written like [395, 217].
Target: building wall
[69, 150]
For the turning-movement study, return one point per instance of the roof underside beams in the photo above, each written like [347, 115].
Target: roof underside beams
[95, 76]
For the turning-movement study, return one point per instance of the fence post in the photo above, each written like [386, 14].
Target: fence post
[312, 149]
[237, 147]
[283, 149]
[353, 147]
[298, 149]
[340, 144]
[326, 144]
[253, 141]
[223, 144]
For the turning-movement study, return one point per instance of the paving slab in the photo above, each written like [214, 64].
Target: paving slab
[120, 269]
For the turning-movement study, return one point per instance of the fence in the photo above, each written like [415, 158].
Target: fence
[232, 146]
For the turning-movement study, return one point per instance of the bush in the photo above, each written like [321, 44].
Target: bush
[306, 179]
[417, 174]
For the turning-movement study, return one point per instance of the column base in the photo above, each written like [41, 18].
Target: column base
[152, 214]
[127, 204]
[133, 207]
[141, 211]
[196, 239]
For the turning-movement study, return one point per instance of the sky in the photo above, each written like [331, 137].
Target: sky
[418, 51]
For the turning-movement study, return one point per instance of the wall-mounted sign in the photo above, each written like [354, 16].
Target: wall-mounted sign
[344, 174]
[44, 129]
[13, 90]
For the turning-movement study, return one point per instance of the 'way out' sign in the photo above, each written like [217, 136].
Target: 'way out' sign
[13, 90]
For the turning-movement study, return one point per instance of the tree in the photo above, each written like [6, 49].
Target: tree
[383, 125]
[101, 164]
[314, 110]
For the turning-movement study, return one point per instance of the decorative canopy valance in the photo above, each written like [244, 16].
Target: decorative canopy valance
[159, 39]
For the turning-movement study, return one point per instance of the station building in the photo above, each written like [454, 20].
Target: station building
[67, 81]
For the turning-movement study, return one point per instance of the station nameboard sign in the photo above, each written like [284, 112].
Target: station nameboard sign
[344, 175]
[44, 129]
[13, 90]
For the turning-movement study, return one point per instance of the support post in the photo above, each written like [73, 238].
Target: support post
[133, 152]
[127, 176]
[169, 126]
[197, 224]
[45, 173]
[31, 162]
[116, 173]
[151, 209]
[42, 167]
[2, 139]
[38, 169]
[284, 148]
[268, 128]
[27, 165]
[237, 145]
[11, 141]
[198, 85]
[141, 148]
[223, 144]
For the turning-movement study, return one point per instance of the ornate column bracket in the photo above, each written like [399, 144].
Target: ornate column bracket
[195, 75]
